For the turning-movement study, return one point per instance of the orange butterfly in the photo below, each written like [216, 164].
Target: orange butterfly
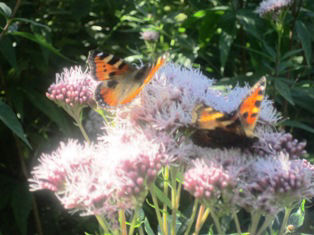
[120, 82]
[218, 129]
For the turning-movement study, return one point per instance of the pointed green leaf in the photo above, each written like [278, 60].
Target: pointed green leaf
[305, 37]
[161, 196]
[5, 10]
[225, 43]
[50, 109]
[8, 117]
[22, 205]
[298, 124]
[284, 90]
[41, 41]
[8, 51]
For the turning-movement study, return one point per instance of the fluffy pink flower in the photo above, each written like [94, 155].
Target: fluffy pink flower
[273, 143]
[72, 87]
[206, 181]
[271, 184]
[114, 174]
[150, 35]
[268, 6]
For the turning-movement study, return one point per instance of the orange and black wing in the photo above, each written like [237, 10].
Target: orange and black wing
[250, 107]
[121, 83]
[207, 118]
[105, 66]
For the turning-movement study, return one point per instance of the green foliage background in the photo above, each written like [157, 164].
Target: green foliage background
[227, 40]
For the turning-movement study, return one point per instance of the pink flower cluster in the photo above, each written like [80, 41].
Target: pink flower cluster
[72, 87]
[271, 184]
[102, 178]
[206, 181]
[267, 6]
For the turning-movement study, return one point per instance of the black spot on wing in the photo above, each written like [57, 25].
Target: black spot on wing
[225, 117]
[258, 103]
[253, 115]
[112, 84]
[245, 115]
[102, 55]
[113, 60]
[111, 74]
[141, 73]
[121, 65]
[260, 92]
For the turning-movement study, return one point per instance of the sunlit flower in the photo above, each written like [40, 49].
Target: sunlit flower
[214, 175]
[276, 142]
[149, 35]
[114, 174]
[268, 6]
[271, 184]
[72, 89]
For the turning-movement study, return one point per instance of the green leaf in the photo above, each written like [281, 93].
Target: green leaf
[297, 218]
[291, 53]
[161, 196]
[304, 97]
[21, 204]
[41, 41]
[33, 23]
[50, 109]
[8, 51]
[225, 43]
[5, 10]
[298, 124]
[283, 89]
[8, 117]
[271, 52]
[148, 228]
[305, 37]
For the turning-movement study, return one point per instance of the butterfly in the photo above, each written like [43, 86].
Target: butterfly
[120, 82]
[217, 129]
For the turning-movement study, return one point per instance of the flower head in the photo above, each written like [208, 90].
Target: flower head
[72, 88]
[275, 142]
[101, 179]
[271, 184]
[268, 6]
[150, 35]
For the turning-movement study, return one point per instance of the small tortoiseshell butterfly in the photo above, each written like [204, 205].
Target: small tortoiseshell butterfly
[120, 82]
[217, 129]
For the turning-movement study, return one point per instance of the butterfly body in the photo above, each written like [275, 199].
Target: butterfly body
[218, 129]
[120, 82]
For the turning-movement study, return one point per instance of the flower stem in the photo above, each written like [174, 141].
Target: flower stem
[165, 212]
[174, 200]
[285, 220]
[191, 220]
[102, 223]
[79, 124]
[157, 210]
[201, 218]
[133, 222]
[266, 223]
[236, 221]
[141, 232]
[216, 222]
[122, 222]
[255, 219]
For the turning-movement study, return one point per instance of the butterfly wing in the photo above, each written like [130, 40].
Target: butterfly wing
[121, 82]
[250, 107]
[207, 118]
